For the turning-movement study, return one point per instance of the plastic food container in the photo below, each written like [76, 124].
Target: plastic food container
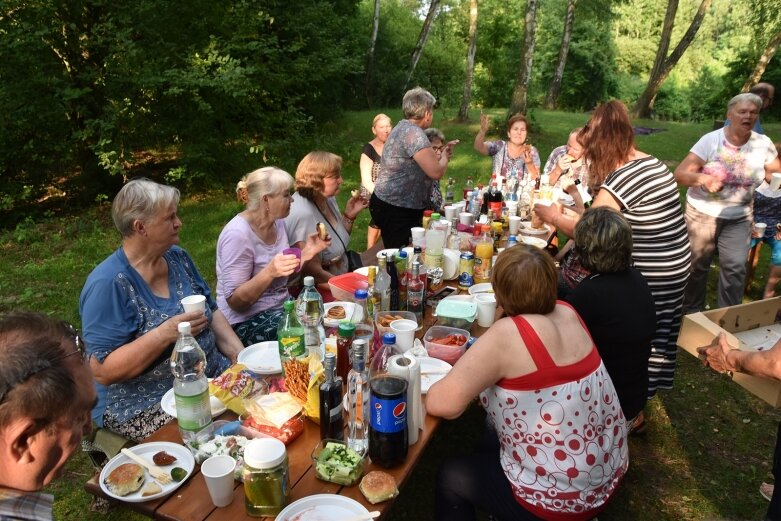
[386, 317]
[447, 353]
[343, 286]
[456, 312]
[336, 463]
[289, 431]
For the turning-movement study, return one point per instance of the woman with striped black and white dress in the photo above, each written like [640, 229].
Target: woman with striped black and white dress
[645, 191]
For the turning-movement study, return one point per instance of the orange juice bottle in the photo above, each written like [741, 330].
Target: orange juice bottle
[484, 253]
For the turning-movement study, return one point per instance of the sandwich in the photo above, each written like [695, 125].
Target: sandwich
[125, 479]
[378, 486]
[321, 231]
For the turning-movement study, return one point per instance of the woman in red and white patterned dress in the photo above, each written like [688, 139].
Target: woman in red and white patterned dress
[556, 447]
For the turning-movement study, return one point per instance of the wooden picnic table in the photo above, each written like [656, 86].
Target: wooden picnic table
[191, 501]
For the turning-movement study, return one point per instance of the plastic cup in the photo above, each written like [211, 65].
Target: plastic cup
[450, 212]
[515, 224]
[486, 309]
[466, 218]
[418, 235]
[759, 229]
[194, 303]
[297, 253]
[405, 333]
[218, 473]
[775, 181]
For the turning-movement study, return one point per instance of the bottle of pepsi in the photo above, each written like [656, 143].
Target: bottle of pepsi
[388, 434]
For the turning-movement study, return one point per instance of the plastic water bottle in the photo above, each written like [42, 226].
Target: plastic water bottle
[191, 388]
[309, 308]
[435, 242]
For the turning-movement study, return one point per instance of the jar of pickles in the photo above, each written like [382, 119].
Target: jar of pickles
[266, 477]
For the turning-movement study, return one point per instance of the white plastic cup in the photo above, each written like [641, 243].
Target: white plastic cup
[404, 330]
[218, 473]
[515, 224]
[451, 211]
[417, 232]
[775, 181]
[194, 303]
[512, 208]
[759, 229]
[466, 218]
[486, 309]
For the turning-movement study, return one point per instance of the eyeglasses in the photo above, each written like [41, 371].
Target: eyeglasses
[440, 148]
[43, 365]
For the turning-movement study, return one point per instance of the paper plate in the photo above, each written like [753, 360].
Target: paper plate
[362, 271]
[349, 307]
[322, 507]
[184, 459]
[168, 404]
[437, 370]
[261, 358]
[450, 259]
[535, 241]
[483, 287]
[526, 229]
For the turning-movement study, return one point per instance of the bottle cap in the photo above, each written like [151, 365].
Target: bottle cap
[402, 254]
[389, 338]
[309, 281]
[264, 453]
[183, 327]
[427, 213]
[361, 294]
[346, 329]
[289, 305]
[330, 361]
[435, 216]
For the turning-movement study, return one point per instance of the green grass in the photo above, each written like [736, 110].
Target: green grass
[709, 443]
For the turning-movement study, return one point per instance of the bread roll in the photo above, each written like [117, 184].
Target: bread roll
[378, 486]
[322, 232]
[125, 479]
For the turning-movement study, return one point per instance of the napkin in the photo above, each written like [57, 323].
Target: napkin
[407, 366]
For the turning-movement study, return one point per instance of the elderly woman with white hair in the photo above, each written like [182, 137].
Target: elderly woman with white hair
[252, 268]
[722, 170]
[131, 307]
[408, 168]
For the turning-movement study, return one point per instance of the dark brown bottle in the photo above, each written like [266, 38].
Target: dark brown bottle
[331, 422]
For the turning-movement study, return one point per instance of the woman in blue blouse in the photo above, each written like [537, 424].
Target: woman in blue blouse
[130, 309]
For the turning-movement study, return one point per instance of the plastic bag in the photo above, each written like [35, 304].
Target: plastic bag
[234, 385]
[302, 380]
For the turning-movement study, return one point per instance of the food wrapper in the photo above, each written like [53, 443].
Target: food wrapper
[303, 377]
[276, 414]
[236, 384]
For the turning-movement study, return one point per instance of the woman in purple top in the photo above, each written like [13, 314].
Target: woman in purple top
[252, 269]
[514, 158]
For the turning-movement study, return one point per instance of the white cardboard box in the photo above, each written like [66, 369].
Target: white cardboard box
[699, 329]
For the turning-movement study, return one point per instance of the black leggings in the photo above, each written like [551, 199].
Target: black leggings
[477, 480]
[394, 222]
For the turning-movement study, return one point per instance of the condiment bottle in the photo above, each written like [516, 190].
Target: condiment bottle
[344, 342]
[266, 477]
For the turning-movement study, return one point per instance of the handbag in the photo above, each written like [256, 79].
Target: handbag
[353, 257]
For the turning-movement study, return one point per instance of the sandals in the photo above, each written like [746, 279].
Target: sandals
[766, 489]
[637, 425]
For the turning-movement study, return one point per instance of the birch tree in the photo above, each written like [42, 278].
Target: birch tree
[427, 23]
[555, 86]
[764, 59]
[518, 100]
[463, 113]
[370, 54]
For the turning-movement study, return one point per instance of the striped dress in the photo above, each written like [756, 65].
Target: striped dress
[648, 195]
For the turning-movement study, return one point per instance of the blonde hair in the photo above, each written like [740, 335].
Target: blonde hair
[268, 180]
[139, 200]
[311, 171]
[380, 117]
[525, 281]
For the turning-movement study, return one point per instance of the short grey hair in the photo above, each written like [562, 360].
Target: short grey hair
[417, 102]
[745, 97]
[434, 133]
[140, 199]
[603, 238]
[269, 180]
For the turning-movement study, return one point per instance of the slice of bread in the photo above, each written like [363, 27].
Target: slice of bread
[378, 486]
[125, 479]
[151, 488]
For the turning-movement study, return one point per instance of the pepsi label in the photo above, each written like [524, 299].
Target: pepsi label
[388, 415]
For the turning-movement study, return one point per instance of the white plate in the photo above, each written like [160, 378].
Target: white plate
[322, 507]
[450, 260]
[168, 404]
[184, 459]
[362, 271]
[386, 251]
[261, 358]
[535, 241]
[434, 365]
[334, 322]
[526, 228]
[483, 287]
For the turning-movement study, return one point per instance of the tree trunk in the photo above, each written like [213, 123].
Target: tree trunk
[370, 55]
[463, 113]
[767, 55]
[555, 86]
[518, 101]
[663, 64]
[427, 23]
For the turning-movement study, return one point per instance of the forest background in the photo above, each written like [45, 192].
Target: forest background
[198, 93]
